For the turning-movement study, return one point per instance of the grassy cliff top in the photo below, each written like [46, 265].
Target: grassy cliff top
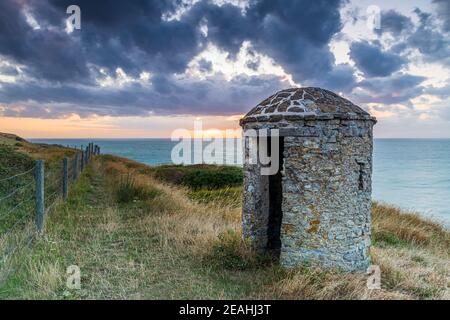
[35, 151]
[137, 234]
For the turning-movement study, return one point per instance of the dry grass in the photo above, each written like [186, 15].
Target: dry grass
[392, 224]
[170, 246]
[413, 253]
[36, 151]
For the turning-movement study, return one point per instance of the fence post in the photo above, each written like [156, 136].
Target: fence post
[65, 178]
[40, 196]
[75, 167]
[82, 161]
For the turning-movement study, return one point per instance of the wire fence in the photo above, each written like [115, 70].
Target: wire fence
[27, 197]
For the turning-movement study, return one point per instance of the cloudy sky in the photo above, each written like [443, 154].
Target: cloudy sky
[142, 68]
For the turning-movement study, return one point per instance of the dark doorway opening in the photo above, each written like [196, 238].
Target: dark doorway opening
[275, 202]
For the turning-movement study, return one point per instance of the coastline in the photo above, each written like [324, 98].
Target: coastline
[125, 221]
[406, 174]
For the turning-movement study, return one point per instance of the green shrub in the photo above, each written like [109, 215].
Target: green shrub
[170, 173]
[216, 178]
[128, 190]
[388, 239]
[200, 176]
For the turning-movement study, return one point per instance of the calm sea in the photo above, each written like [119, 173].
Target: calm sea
[413, 174]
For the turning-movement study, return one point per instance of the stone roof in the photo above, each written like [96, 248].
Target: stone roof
[305, 103]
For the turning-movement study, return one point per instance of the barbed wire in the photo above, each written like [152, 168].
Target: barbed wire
[16, 191]
[18, 175]
[52, 203]
[51, 198]
[19, 245]
[53, 180]
[54, 184]
[18, 222]
[4, 214]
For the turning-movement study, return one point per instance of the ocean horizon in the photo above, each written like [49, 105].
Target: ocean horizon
[413, 174]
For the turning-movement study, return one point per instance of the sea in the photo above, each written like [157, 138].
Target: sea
[413, 174]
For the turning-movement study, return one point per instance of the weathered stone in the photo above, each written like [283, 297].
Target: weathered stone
[296, 109]
[325, 178]
[275, 118]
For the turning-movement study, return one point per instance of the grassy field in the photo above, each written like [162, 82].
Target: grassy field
[140, 232]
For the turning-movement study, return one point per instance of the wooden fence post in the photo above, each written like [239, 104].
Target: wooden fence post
[65, 178]
[76, 166]
[40, 196]
[82, 161]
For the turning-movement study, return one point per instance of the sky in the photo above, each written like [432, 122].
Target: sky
[144, 68]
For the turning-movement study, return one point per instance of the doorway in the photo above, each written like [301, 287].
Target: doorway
[275, 202]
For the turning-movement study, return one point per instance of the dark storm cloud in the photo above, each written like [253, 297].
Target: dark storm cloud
[373, 61]
[341, 79]
[296, 34]
[444, 12]
[398, 88]
[394, 23]
[167, 96]
[431, 42]
[134, 36]
[8, 70]
[46, 54]
[60, 70]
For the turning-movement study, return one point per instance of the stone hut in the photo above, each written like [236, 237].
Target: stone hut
[316, 208]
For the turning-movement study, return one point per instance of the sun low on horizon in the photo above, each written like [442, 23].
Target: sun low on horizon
[143, 69]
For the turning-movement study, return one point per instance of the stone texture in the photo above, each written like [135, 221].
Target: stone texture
[326, 178]
[307, 102]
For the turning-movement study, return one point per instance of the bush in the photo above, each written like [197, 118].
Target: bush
[170, 173]
[128, 190]
[200, 176]
[220, 177]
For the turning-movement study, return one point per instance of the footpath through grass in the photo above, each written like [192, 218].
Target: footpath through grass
[134, 235]
[120, 248]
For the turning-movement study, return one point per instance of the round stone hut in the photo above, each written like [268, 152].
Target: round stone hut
[315, 208]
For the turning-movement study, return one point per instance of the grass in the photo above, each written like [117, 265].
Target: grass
[128, 190]
[35, 151]
[200, 176]
[17, 156]
[163, 240]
